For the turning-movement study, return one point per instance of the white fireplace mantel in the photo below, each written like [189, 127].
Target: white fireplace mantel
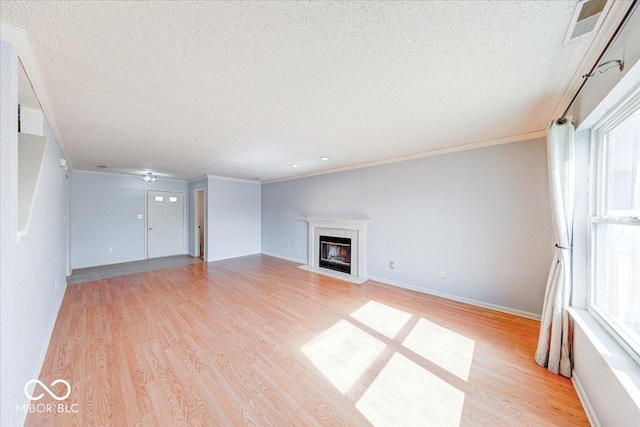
[354, 225]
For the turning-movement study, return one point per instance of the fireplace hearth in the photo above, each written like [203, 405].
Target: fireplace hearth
[335, 253]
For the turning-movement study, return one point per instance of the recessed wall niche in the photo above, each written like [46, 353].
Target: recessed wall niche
[31, 149]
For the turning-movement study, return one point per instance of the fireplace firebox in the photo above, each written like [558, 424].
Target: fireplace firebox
[335, 253]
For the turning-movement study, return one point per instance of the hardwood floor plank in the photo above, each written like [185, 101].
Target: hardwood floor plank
[222, 344]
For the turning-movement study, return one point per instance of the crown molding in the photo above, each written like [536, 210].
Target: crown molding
[20, 39]
[608, 26]
[246, 181]
[128, 175]
[160, 177]
[200, 178]
[435, 152]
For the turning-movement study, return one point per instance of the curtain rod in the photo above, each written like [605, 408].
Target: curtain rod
[562, 120]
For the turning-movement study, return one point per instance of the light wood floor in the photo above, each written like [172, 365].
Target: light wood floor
[257, 341]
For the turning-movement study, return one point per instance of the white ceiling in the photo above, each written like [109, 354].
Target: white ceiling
[244, 90]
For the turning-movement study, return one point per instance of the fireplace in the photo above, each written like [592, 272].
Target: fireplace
[353, 229]
[335, 253]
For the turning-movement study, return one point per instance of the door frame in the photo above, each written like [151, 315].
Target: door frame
[204, 222]
[67, 225]
[185, 237]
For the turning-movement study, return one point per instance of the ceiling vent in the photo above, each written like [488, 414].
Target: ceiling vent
[586, 18]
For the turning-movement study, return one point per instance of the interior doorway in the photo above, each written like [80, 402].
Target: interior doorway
[165, 223]
[199, 224]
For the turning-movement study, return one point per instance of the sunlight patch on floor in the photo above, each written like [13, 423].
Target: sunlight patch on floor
[405, 394]
[382, 318]
[447, 349]
[343, 353]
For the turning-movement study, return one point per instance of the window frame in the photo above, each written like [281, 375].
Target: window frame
[597, 206]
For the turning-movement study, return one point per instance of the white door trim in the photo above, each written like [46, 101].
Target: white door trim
[196, 250]
[67, 225]
[185, 237]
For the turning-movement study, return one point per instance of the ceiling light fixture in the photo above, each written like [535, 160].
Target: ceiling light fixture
[149, 177]
[324, 158]
[294, 165]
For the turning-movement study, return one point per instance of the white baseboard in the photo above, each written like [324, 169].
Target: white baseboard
[482, 304]
[588, 409]
[75, 267]
[123, 261]
[477, 303]
[43, 354]
[286, 258]
[231, 257]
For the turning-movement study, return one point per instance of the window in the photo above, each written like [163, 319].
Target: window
[159, 198]
[615, 228]
[173, 199]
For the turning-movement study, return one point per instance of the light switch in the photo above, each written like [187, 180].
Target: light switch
[140, 216]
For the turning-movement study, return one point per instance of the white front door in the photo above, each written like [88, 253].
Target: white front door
[165, 223]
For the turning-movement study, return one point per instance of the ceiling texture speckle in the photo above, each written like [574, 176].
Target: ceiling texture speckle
[244, 90]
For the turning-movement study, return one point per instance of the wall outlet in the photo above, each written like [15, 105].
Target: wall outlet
[109, 249]
[140, 216]
[443, 273]
[392, 264]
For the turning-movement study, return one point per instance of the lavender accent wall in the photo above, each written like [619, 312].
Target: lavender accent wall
[481, 215]
[233, 218]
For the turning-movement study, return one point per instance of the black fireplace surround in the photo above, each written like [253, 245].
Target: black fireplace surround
[335, 253]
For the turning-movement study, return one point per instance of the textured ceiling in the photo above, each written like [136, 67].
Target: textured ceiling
[245, 89]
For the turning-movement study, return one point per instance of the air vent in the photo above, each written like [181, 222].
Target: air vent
[586, 18]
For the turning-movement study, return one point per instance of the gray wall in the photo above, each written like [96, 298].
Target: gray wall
[104, 209]
[30, 296]
[233, 218]
[8, 223]
[600, 373]
[482, 215]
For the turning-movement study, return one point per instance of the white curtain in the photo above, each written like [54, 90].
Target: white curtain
[554, 343]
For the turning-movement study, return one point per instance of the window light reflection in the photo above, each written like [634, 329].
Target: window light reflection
[382, 318]
[405, 394]
[447, 349]
[343, 353]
